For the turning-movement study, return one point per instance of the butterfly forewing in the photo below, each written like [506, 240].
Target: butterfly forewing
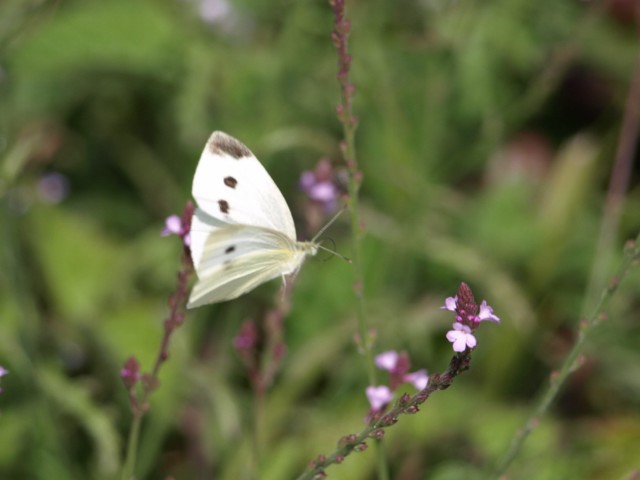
[231, 185]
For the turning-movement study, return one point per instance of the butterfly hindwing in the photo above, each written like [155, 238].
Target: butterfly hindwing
[231, 185]
[238, 258]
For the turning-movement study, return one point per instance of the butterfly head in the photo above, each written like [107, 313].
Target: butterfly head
[307, 248]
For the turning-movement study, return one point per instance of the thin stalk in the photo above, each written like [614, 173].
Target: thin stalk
[572, 361]
[618, 186]
[150, 381]
[349, 123]
[258, 432]
[132, 448]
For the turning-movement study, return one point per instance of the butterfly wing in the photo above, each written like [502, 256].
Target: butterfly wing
[237, 258]
[232, 186]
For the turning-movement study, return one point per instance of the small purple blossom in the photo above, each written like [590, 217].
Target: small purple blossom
[247, 337]
[387, 360]
[3, 372]
[215, 11]
[486, 313]
[222, 16]
[320, 187]
[398, 365]
[53, 187]
[461, 337]
[418, 379]
[378, 397]
[130, 372]
[450, 304]
[173, 225]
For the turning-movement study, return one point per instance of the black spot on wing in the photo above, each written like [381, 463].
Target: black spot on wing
[230, 182]
[230, 249]
[222, 144]
[224, 206]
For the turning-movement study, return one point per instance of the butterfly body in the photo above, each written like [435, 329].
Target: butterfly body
[242, 233]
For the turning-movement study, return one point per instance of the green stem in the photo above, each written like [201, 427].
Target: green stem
[571, 362]
[132, 448]
[618, 186]
[258, 433]
[358, 279]
[349, 124]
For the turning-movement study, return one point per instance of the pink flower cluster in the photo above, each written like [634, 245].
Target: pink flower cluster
[397, 364]
[468, 317]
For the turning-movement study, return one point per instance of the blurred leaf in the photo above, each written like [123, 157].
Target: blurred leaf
[82, 267]
[568, 189]
[130, 37]
[75, 402]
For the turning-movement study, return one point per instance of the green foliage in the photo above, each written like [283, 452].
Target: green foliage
[486, 138]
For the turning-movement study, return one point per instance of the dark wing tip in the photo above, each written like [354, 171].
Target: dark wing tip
[222, 144]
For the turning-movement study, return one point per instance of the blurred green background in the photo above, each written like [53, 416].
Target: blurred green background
[487, 136]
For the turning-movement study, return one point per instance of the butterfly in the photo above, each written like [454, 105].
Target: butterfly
[242, 232]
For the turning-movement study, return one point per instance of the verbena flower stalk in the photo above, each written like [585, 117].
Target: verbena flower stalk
[344, 111]
[141, 386]
[381, 419]
[468, 314]
[375, 429]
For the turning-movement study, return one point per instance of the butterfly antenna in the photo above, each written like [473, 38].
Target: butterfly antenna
[333, 252]
[328, 224]
[323, 229]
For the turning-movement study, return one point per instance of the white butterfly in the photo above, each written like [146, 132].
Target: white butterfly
[242, 233]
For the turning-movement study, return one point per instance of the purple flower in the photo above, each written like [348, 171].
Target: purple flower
[486, 313]
[467, 311]
[418, 379]
[3, 372]
[53, 187]
[378, 397]
[215, 11]
[130, 372]
[320, 187]
[173, 225]
[450, 304]
[398, 364]
[461, 337]
[247, 338]
[387, 360]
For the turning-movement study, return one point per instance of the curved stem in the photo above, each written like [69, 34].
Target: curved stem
[407, 405]
[572, 361]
